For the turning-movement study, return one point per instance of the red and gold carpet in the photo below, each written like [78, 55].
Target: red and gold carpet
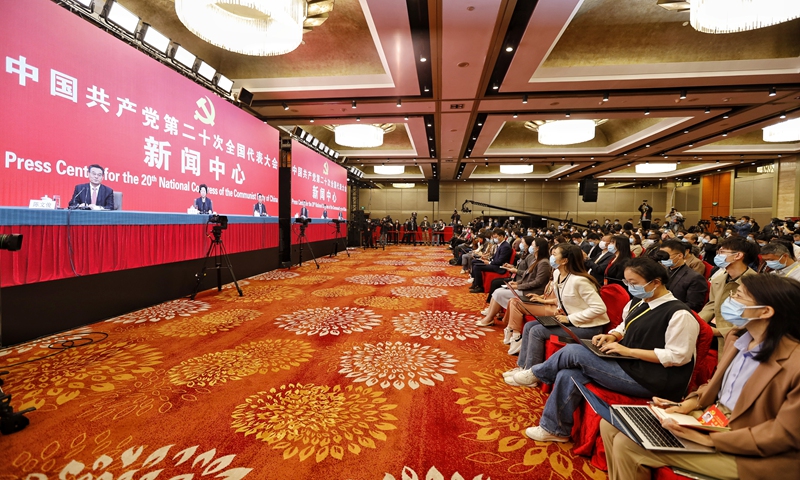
[369, 368]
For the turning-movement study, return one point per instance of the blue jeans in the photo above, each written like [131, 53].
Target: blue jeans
[577, 362]
[534, 334]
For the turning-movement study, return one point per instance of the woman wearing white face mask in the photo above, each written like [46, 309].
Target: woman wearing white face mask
[657, 329]
[636, 245]
[755, 388]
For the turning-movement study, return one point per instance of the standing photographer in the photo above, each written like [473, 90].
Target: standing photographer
[647, 214]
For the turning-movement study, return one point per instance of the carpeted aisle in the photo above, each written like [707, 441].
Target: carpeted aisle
[369, 368]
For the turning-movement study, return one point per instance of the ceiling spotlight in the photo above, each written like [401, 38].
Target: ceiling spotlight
[153, 38]
[358, 119]
[486, 164]
[120, 16]
[311, 120]
[480, 124]
[495, 87]
[783, 115]
[647, 112]
[354, 104]
[725, 116]
[399, 102]
[567, 115]
[525, 98]
[405, 118]
[686, 131]
[515, 115]
[429, 124]
[708, 109]
[724, 134]
[426, 89]
[422, 58]
[773, 91]
[509, 49]
[683, 95]
[285, 107]
[605, 97]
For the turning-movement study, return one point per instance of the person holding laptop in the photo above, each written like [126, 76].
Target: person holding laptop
[756, 386]
[575, 302]
[658, 331]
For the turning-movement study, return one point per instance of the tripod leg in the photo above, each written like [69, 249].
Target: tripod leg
[303, 239]
[202, 273]
[224, 253]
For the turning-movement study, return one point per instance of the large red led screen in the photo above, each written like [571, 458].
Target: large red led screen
[74, 96]
[319, 192]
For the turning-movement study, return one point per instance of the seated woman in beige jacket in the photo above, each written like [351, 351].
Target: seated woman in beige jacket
[756, 385]
[574, 300]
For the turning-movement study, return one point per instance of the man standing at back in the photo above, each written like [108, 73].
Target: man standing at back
[647, 214]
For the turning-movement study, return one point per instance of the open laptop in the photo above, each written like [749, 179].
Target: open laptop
[550, 321]
[640, 424]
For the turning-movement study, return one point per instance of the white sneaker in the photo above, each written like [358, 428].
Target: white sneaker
[526, 377]
[507, 334]
[511, 372]
[516, 345]
[541, 435]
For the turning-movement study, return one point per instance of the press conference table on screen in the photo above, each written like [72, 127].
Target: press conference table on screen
[111, 240]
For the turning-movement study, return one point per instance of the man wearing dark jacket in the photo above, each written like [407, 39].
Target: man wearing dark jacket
[501, 256]
[685, 284]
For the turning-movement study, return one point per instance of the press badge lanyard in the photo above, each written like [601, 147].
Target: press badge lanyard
[558, 294]
[628, 324]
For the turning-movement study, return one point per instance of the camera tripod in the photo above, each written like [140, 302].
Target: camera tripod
[220, 254]
[339, 237]
[11, 421]
[302, 239]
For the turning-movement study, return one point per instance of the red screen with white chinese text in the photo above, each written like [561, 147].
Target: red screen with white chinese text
[320, 187]
[74, 96]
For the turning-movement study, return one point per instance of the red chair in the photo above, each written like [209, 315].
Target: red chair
[709, 267]
[586, 429]
[488, 277]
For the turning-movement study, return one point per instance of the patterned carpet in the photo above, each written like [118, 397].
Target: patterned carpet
[369, 368]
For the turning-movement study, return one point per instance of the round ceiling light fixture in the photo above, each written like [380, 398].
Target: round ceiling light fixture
[390, 170]
[250, 27]
[358, 135]
[564, 132]
[788, 131]
[656, 167]
[730, 16]
[403, 185]
[516, 169]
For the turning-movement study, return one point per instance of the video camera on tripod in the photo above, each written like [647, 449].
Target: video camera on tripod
[11, 241]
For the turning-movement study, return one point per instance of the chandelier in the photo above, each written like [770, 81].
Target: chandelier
[564, 132]
[788, 131]
[729, 16]
[357, 135]
[252, 27]
[516, 169]
[656, 167]
[389, 170]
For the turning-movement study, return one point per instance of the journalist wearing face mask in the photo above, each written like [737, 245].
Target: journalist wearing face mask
[733, 256]
[780, 260]
[756, 387]
[658, 330]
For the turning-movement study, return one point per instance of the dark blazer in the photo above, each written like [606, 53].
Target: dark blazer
[594, 252]
[537, 280]
[303, 212]
[203, 207]
[83, 194]
[598, 266]
[502, 255]
[616, 272]
[260, 209]
[688, 286]
[325, 213]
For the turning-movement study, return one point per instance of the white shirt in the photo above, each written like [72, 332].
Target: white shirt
[680, 338]
[792, 271]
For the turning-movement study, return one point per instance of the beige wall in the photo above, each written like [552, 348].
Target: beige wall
[545, 198]
[753, 196]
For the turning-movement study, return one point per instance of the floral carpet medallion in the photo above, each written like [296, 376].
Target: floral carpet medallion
[439, 325]
[396, 263]
[426, 268]
[165, 311]
[396, 364]
[262, 357]
[443, 281]
[319, 422]
[375, 279]
[275, 275]
[329, 321]
[308, 280]
[52, 382]
[343, 291]
[102, 459]
[208, 324]
[263, 294]
[419, 292]
[433, 474]
[387, 303]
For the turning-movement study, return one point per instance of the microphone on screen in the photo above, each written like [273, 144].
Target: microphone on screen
[73, 204]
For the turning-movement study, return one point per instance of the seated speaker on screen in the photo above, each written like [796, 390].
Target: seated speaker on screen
[303, 210]
[259, 209]
[203, 204]
[324, 211]
[341, 217]
[93, 195]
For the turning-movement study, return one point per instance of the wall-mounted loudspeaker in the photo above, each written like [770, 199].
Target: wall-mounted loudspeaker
[588, 188]
[433, 190]
[245, 97]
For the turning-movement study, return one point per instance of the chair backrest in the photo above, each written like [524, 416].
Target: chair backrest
[709, 267]
[117, 200]
[615, 297]
[513, 256]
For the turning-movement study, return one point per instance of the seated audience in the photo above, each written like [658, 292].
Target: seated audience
[574, 301]
[658, 329]
[620, 246]
[780, 260]
[756, 386]
[597, 267]
[501, 257]
[687, 285]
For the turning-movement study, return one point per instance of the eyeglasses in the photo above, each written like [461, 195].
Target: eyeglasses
[625, 282]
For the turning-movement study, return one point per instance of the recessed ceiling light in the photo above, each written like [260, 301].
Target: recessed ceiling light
[423, 59]
[509, 49]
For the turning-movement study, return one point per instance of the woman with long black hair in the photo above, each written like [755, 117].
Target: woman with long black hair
[756, 386]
